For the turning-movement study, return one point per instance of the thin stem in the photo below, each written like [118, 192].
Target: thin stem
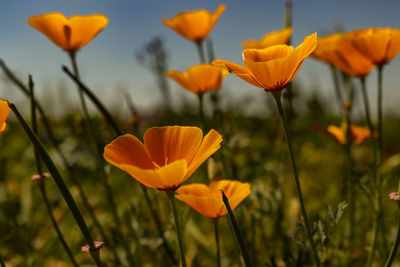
[366, 105]
[396, 243]
[277, 96]
[336, 85]
[41, 180]
[380, 115]
[177, 227]
[236, 230]
[59, 181]
[201, 111]
[218, 254]
[200, 50]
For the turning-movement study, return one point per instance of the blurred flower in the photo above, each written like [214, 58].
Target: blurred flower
[200, 78]
[358, 134]
[271, 68]
[325, 46]
[270, 39]
[207, 200]
[394, 196]
[168, 157]
[380, 45]
[71, 33]
[194, 25]
[4, 112]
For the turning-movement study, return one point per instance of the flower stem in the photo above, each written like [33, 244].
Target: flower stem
[238, 236]
[336, 86]
[177, 227]
[200, 50]
[41, 180]
[201, 111]
[277, 96]
[396, 243]
[218, 254]
[59, 181]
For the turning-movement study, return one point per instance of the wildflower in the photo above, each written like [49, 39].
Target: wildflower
[270, 39]
[325, 46]
[271, 68]
[194, 25]
[168, 156]
[380, 45]
[358, 134]
[207, 200]
[200, 78]
[71, 33]
[4, 112]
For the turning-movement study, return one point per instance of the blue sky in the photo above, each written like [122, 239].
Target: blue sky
[108, 64]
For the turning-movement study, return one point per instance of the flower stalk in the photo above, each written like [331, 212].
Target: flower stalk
[171, 196]
[396, 243]
[216, 233]
[277, 98]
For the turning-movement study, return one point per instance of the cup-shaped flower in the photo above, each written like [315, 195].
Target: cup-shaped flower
[194, 25]
[380, 45]
[325, 46]
[199, 79]
[167, 157]
[271, 68]
[4, 112]
[207, 200]
[270, 39]
[358, 134]
[71, 33]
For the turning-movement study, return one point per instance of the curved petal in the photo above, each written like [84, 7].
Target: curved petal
[171, 143]
[168, 177]
[52, 26]
[359, 134]
[337, 134]
[237, 70]
[270, 39]
[4, 112]
[194, 189]
[207, 206]
[394, 46]
[182, 79]
[267, 54]
[206, 77]
[127, 150]
[209, 144]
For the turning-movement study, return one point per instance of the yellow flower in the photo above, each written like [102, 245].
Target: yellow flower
[380, 45]
[168, 156]
[207, 200]
[358, 134]
[194, 25]
[270, 39]
[199, 79]
[4, 112]
[71, 33]
[325, 46]
[271, 68]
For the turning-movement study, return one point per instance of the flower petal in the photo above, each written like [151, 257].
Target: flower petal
[270, 39]
[206, 77]
[4, 112]
[209, 144]
[207, 206]
[168, 177]
[237, 70]
[127, 150]
[171, 143]
[182, 79]
[266, 54]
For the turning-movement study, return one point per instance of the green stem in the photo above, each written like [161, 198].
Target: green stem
[236, 229]
[200, 50]
[277, 96]
[336, 85]
[201, 111]
[59, 181]
[396, 243]
[366, 105]
[380, 115]
[215, 222]
[177, 227]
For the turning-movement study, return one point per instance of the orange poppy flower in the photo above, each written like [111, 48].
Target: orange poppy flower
[69, 33]
[271, 68]
[380, 45]
[4, 112]
[359, 134]
[270, 39]
[168, 156]
[207, 200]
[325, 46]
[200, 78]
[194, 25]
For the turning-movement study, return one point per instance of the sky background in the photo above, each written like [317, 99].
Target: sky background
[108, 64]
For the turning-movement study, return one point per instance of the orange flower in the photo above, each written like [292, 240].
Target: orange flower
[325, 46]
[270, 39]
[271, 68]
[200, 78]
[380, 45]
[69, 33]
[4, 112]
[168, 157]
[207, 200]
[194, 25]
[359, 134]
